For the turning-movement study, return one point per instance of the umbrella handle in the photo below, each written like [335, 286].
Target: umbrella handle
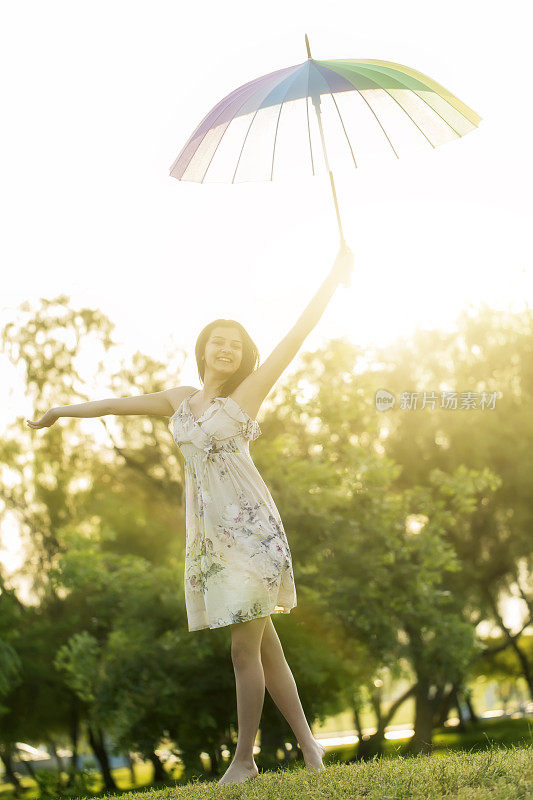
[347, 282]
[316, 103]
[336, 203]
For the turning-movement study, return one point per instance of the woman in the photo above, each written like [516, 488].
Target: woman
[238, 567]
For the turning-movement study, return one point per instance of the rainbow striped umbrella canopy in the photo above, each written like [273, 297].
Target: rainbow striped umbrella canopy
[363, 108]
[369, 107]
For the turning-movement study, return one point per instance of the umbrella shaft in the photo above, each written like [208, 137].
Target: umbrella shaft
[316, 103]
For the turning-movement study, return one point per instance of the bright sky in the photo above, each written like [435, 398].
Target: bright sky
[102, 96]
[98, 99]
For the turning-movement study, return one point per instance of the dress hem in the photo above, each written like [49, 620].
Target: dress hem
[276, 610]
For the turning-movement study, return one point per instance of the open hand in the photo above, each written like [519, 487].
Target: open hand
[46, 420]
[344, 264]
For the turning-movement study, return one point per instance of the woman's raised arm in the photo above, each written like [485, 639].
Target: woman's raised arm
[160, 404]
[253, 389]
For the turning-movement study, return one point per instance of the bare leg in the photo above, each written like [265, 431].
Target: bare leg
[250, 687]
[282, 688]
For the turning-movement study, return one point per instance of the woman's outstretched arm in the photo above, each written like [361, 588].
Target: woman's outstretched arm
[253, 389]
[160, 404]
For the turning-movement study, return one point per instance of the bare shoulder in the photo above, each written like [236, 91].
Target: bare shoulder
[177, 395]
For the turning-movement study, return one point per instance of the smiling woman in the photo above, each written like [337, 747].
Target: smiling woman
[225, 356]
[238, 564]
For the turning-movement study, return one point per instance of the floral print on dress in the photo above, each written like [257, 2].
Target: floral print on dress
[202, 564]
[265, 545]
[238, 563]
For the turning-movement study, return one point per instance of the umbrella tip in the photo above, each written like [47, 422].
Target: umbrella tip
[307, 45]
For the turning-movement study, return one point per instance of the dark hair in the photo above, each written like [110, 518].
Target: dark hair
[250, 354]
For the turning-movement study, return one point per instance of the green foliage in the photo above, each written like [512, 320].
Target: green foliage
[11, 614]
[404, 528]
[79, 659]
[349, 517]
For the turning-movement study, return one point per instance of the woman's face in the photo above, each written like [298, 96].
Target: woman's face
[223, 351]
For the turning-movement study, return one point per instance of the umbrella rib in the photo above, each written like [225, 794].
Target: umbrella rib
[277, 125]
[436, 112]
[221, 107]
[229, 123]
[246, 137]
[344, 129]
[406, 112]
[425, 80]
[376, 117]
[410, 117]
[224, 103]
[377, 120]
[423, 100]
[218, 143]
[340, 118]
[244, 142]
[403, 109]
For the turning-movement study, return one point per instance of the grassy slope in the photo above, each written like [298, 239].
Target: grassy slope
[485, 734]
[498, 773]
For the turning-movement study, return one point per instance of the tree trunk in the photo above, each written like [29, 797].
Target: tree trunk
[449, 701]
[53, 750]
[131, 765]
[59, 762]
[215, 759]
[373, 745]
[273, 737]
[467, 696]
[6, 754]
[460, 713]
[28, 766]
[96, 740]
[422, 742]
[287, 754]
[269, 744]
[357, 722]
[160, 775]
[444, 709]
[524, 663]
[513, 641]
[367, 748]
[74, 728]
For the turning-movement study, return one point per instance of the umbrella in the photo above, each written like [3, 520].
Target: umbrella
[366, 107]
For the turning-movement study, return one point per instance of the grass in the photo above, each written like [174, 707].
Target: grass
[483, 734]
[496, 774]
[497, 735]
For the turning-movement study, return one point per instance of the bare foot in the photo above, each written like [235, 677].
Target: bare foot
[237, 772]
[313, 755]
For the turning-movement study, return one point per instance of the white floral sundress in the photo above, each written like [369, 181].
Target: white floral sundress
[238, 563]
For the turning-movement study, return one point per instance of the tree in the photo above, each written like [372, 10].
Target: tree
[490, 352]
[374, 552]
[104, 541]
